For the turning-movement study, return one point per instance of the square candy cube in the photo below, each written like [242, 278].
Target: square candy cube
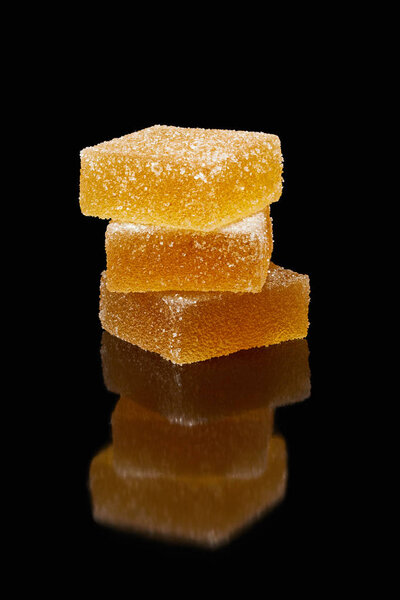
[143, 258]
[187, 327]
[179, 177]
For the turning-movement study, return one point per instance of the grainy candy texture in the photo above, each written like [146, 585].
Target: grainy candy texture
[202, 510]
[188, 327]
[179, 177]
[212, 389]
[146, 443]
[142, 258]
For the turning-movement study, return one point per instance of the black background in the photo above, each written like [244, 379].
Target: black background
[318, 515]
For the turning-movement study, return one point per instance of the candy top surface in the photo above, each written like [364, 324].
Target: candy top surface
[177, 301]
[253, 224]
[277, 276]
[205, 147]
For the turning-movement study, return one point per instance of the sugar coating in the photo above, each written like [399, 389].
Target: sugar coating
[142, 258]
[212, 389]
[232, 446]
[201, 510]
[188, 327]
[179, 177]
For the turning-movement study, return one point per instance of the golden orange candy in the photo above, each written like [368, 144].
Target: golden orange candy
[143, 258]
[188, 327]
[179, 177]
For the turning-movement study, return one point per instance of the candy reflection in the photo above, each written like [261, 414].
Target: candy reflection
[194, 457]
[203, 510]
[189, 394]
[146, 443]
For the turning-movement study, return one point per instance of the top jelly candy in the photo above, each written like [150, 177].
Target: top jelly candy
[197, 179]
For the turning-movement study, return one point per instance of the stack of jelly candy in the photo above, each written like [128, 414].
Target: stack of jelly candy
[189, 272]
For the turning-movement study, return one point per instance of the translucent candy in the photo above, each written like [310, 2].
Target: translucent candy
[212, 389]
[193, 326]
[202, 510]
[142, 258]
[147, 444]
[185, 178]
